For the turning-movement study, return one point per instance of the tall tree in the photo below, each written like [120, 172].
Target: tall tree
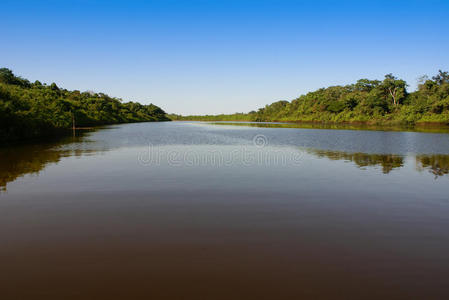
[395, 88]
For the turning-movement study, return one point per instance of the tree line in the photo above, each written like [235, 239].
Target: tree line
[366, 101]
[30, 110]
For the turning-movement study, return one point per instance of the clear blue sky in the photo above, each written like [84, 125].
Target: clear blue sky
[198, 57]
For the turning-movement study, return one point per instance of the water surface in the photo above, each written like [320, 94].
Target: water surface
[190, 210]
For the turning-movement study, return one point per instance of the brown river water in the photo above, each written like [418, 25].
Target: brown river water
[190, 210]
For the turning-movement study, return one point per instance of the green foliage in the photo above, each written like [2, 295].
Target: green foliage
[8, 77]
[33, 110]
[441, 78]
[394, 88]
[222, 117]
[367, 101]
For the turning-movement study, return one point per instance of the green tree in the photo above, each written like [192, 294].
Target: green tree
[395, 88]
[35, 110]
[441, 78]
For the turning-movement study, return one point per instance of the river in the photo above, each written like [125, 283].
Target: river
[192, 210]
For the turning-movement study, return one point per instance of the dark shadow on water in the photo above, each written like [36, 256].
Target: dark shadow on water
[19, 160]
[437, 164]
[387, 162]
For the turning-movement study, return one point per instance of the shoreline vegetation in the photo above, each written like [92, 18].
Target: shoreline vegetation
[36, 110]
[432, 128]
[366, 102]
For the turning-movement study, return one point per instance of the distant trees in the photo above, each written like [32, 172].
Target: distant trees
[222, 117]
[364, 101]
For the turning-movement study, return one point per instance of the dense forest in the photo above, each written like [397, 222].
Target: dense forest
[366, 101]
[30, 110]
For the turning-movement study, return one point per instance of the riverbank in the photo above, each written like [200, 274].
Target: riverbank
[354, 125]
[375, 102]
[35, 110]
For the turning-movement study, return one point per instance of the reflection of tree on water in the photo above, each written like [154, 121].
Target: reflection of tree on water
[31, 159]
[388, 162]
[436, 164]
[16, 162]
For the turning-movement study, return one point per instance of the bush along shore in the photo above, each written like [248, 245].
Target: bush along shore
[385, 102]
[34, 110]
